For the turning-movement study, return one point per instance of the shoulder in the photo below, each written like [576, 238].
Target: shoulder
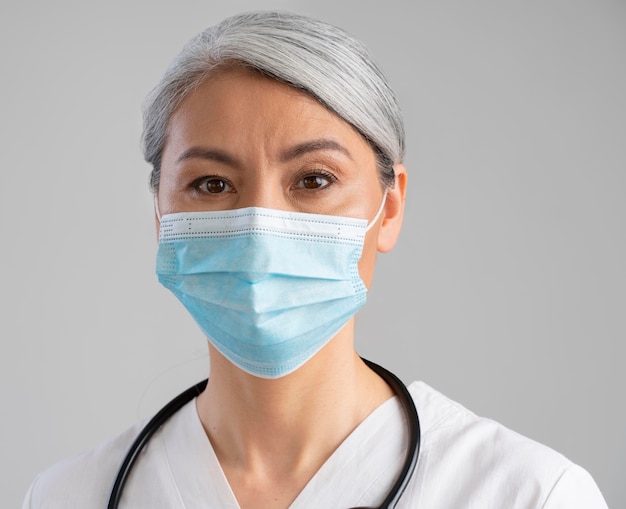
[465, 456]
[83, 480]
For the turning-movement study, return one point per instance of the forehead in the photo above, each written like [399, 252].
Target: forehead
[235, 103]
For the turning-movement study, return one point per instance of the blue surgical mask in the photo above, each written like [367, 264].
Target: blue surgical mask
[269, 288]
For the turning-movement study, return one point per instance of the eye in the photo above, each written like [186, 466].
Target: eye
[313, 181]
[212, 185]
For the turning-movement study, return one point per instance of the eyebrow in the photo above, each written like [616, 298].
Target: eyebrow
[291, 153]
[313, 146]
[209, 154]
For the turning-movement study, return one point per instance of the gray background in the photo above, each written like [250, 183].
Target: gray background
[507, 291]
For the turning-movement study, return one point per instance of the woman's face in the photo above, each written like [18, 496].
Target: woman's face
[243, 140]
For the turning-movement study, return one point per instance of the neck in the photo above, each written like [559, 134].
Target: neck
[291, 425]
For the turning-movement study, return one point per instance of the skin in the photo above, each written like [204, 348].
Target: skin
[243, 140]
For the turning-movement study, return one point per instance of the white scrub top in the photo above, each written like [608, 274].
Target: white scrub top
[465, 462]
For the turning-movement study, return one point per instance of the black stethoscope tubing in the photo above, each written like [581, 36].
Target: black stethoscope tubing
[185, 397]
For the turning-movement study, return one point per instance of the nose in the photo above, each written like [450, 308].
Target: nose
[264, 192]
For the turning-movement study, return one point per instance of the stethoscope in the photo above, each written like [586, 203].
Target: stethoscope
[182, 399]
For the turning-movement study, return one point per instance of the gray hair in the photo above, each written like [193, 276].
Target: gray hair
[309, 55]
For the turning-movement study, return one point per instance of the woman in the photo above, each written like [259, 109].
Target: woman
[277, 150]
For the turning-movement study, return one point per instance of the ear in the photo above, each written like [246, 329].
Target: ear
[157, 216]
[393, 212]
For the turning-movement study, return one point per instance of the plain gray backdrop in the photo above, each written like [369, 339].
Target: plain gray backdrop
[507, 291]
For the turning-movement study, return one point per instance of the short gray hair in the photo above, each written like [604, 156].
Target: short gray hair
[309, 55]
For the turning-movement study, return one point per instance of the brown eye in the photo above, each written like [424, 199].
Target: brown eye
[315, 181]
[214, 185]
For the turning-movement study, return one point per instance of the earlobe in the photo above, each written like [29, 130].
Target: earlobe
[393, 212]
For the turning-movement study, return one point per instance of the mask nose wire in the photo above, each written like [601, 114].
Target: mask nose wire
[369, 226]
[380, 210]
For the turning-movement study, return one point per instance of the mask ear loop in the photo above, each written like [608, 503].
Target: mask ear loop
[156, 205]
[380, 210]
